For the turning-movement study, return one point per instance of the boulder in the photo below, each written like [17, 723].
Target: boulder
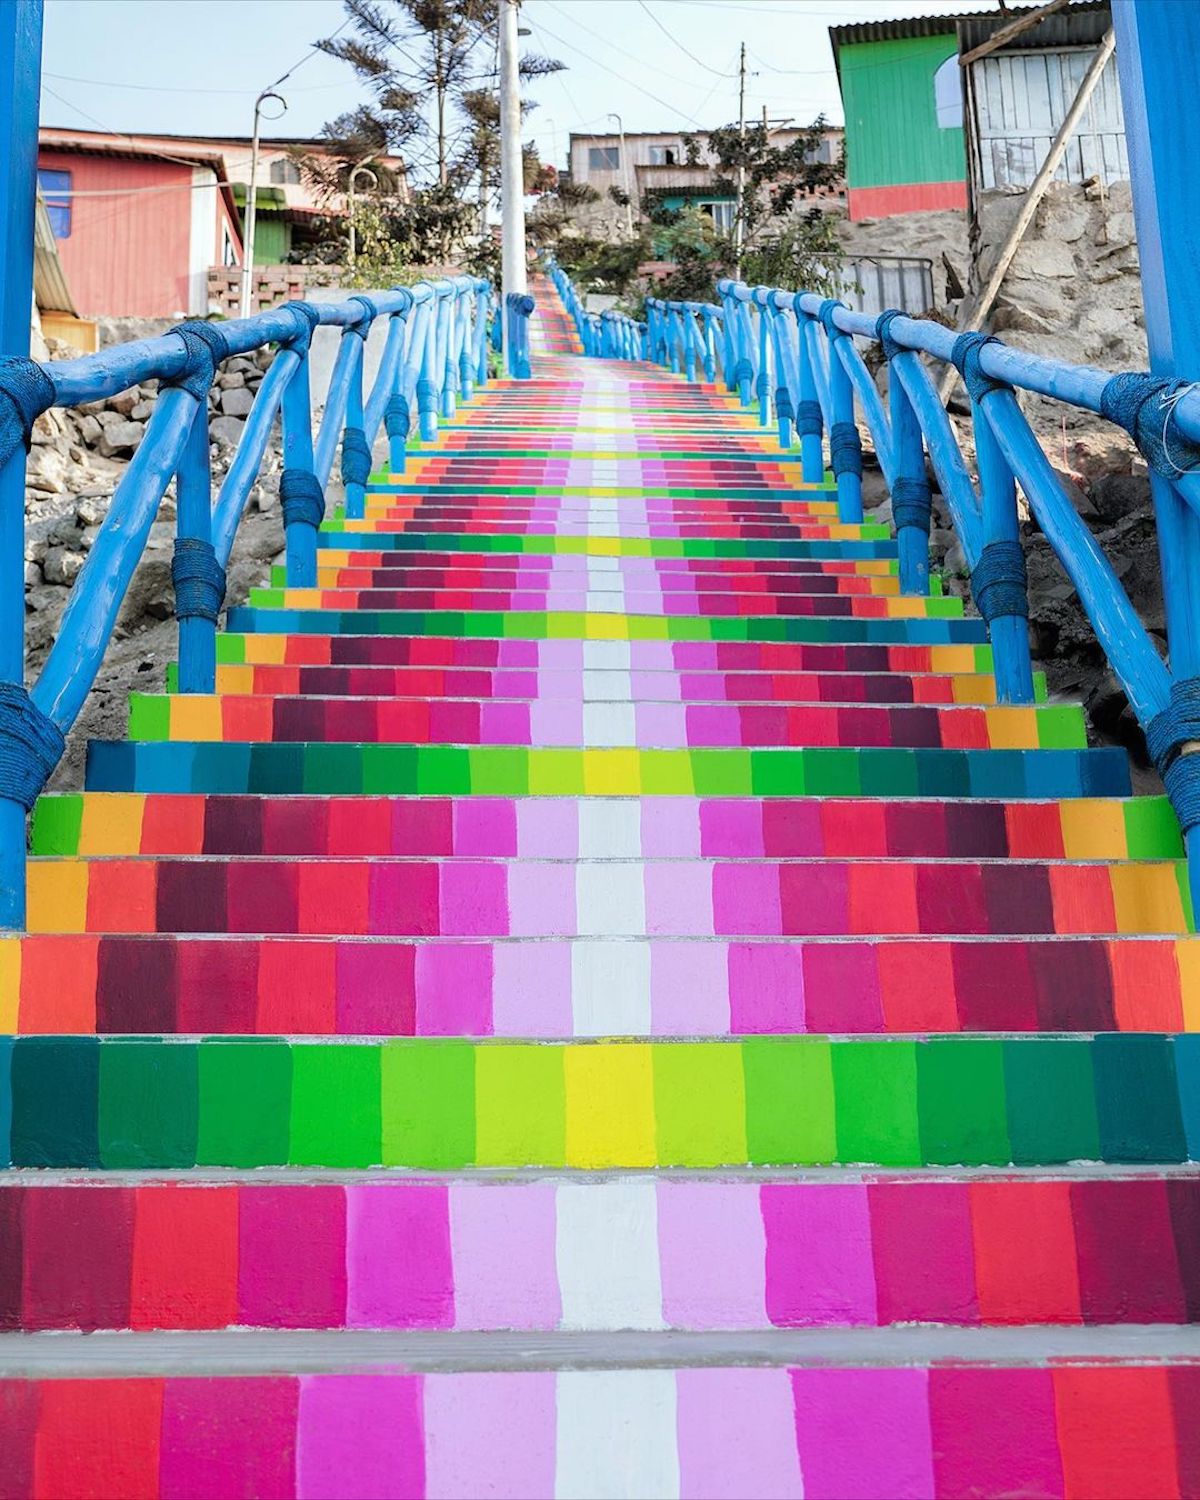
[46, 470]
[121, 437]
[237, 401]
[226, 430]
[61, 565]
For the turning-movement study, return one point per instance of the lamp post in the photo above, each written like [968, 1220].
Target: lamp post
[252, 196]
[354, 171]
[625, 175]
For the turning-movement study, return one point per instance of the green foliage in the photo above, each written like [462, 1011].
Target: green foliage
[601, 265]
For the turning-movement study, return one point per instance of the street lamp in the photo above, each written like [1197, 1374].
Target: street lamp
[354, 171]
[252, 195]
[625, 175]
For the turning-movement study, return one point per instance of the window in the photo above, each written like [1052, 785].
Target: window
[947, 94]
[229, 255]
[284, 170]
[604, 158]
[56, 190]
[721, 213]
[664, 156]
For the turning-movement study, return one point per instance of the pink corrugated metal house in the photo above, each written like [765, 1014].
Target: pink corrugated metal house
[138, 220]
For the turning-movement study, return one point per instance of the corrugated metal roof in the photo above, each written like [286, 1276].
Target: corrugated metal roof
[979, 25]
[50, 289]
[1079, 25]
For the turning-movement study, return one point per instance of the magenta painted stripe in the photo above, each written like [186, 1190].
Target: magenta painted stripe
[864, 1434]
[360, 1437]
[399, 1258]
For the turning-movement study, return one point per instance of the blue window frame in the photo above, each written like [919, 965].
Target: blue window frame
[56, 189]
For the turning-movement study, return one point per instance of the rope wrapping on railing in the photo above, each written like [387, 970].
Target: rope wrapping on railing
[1170, 735]
[356, 456]
[206, 347]
[363, 326]
[809, 421]
[783, 403]
[912, 503]
[198, 579]
[845, 449]
[743, 371]
[1126, 399]
[306, 318]
[883, 326]
[965, 358]
[1000, 582]
[825, 316]
[301, 497]
[31, 745]
[26, 391]
[397, 418]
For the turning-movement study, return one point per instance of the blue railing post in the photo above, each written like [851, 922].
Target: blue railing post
[427, 383]
[998, 579]
[301, 497]
[911, 497]
[479, 332]
[356, 450]
[762, 383]
[519, 307]
[193, 547]
[1157, 47]
[845, 445]
[809, 422]
[20, 72]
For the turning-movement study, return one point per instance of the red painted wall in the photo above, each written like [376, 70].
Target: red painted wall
[904, 198]
[127, 254]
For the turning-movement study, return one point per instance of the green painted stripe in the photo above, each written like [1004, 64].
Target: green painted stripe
[440, 1105]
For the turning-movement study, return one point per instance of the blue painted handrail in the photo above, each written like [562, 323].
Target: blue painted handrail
[434, 355]
[518, 308]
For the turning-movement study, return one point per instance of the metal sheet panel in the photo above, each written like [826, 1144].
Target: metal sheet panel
[1021, 99]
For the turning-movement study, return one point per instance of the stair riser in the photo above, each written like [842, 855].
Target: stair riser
[338, 537]
[118, 985]
[665, 726]
[526, 1256]
[607, 686]
[352, 770]
[599, 828]
[445, 1105]
[603, 898]
[1076, 1430]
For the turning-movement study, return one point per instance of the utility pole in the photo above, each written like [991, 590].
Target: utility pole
[252, 194]
[625, 175]
[738, 231]
[512, 176]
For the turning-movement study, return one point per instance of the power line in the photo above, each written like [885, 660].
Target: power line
[620, 51]
[596, 63]
[170, 88]
[672, 38]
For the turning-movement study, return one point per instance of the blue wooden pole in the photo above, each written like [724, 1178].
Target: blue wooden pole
[808, 412]
[300, 538]
[20, 74]
[845, 448]
[194, 522]
[356, 493]
[1158, 42]
[912, 526]
[1011, 664]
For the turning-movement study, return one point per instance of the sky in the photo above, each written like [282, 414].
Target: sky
[195, 66]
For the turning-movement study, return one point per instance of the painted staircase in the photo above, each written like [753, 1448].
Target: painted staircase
[601, 1001]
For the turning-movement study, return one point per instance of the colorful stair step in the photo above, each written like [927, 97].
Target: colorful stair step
[512, 771]
[383, 897]
[693, 1255]
[1075, 1429]
[443, 1105]
[602, 827]
[562, 722]
[125, 984]
[337, 535]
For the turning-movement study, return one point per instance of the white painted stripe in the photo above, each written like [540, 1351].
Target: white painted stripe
[610, 900]
[610, 989]
[610, 828]
[606, 725]
[607, 603]
[607, 687]
[610, 655]
[607, 1255]
[616, 1435]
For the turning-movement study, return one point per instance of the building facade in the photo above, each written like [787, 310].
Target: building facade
[924, 132]
[656, 164]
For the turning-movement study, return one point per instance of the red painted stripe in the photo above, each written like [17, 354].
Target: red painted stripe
[904, 198]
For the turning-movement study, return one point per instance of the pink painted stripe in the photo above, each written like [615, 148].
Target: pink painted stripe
[503, 1246]
[490, 1435]
[736, 1435]
[360, 1438]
